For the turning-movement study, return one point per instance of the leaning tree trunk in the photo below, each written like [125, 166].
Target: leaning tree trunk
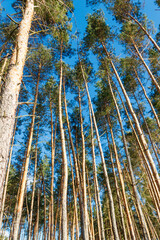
[33, 189]
[24, 178]
[10, 91]
[101, 231]
[121, 181]
[144, 225]
[86, 223]
[53, 142]
[149, 101]
[7, 174]
[112, 209]
[75, 159]
[146, 66]
[64, 159]
[145, 31]
[139, 130]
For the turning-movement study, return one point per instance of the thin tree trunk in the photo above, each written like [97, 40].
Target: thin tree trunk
[113, 217]
[33, 188]
[10, 91]
[145, 31]
[144, 225]
[75, 197]
[24, 178]
[149, 173]
[86, 223]
[90, 205]
[149, 133]
[64, 159]
[96, 186]
[117, 190]
[121, 181]
[53, 142]
[44, 192]
[145, 65]
[149, 101]
[141, 135]
[36, 228]
[78, 177]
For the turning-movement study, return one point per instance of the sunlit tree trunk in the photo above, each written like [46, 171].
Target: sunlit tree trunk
[44, 193]
[146, 66]
[149, 101]
[33, 189]
[24, 178]
[86, 223]
[64, 158]
[10, 91]
[141, 135]
[113, 217]
[53, 142]
[145, 31]
[144, 225]
[117, 191]
[96, 186]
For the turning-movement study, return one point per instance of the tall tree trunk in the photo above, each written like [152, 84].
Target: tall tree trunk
[24, 178]
[148, 170]
[117, 190]
[101, 231]
[75, 197]
[145, 65]
[113, 217]
[44, 192]
[86, 223]
[53, 142]
[145, 31]
[64, 159]
[75, 159]
[36, 227]
[90, 205]
[7, 174]
[10, 92]
[141, 135]
[149, 101]
[148, 130]
[121, 180]
[144, 225]
[33, 188]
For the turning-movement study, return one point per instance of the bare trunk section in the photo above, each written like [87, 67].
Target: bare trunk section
[147, 68]
[7, 174]
[86, 223]
[121, 180]
[149, 101]
[33, 189]
[144, 225]
[24, 178]
[2, 71]
[145, 31]
[141, 135]
[44, 192]
[113, 217]
[75, 159]
[64, 159]
[10, 92]
[96, 186]
[53, 143]
[117, 191]
[148, 130]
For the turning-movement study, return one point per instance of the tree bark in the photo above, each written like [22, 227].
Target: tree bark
[64, 159]
[10, 92]
[24, 178]
[113, 217]
[141, 135]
